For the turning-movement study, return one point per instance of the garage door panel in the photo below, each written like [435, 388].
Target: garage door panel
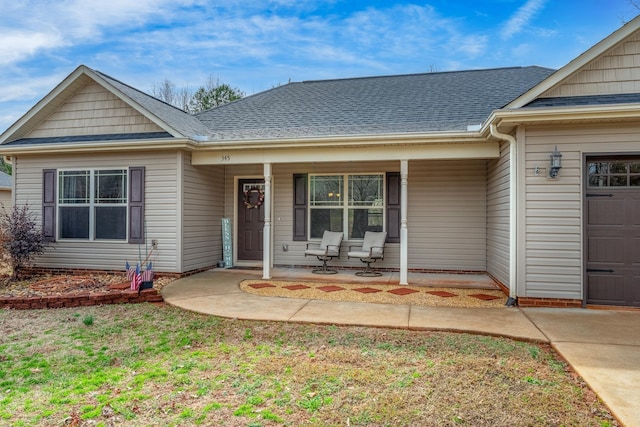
[605, 212]
[606, 289]
[603, 249]
[635, 213]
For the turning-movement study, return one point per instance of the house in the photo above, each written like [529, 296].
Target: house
[454, 166]
[5, 191]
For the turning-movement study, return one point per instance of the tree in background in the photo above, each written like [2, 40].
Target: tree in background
[212, 94]
[178, 97]
[4, 166]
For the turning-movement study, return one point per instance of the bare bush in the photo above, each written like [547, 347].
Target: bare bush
[20, 238]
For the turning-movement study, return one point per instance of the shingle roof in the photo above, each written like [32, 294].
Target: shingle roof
[433, 102]
[5, 180]
[574, 101]
[179, 120]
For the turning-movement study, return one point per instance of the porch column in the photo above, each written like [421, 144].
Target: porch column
[266, 242]
[404, 231]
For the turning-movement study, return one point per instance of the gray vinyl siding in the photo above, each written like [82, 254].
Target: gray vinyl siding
[161, 209]
[283, 214]
[447, 215]
[203, 207]
[498, 216]
[554, 208]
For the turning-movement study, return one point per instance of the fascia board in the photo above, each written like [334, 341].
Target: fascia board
[104, 146]
[554, 115]
[341, 140]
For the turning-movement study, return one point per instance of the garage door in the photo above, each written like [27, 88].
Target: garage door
[613, 231]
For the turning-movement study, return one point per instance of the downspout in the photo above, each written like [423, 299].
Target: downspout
[513, 200]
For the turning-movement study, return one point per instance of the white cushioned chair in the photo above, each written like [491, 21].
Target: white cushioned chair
[328, 248]
[372, 249]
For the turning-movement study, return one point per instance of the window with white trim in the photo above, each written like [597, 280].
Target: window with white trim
[92, 204]
[351, 203]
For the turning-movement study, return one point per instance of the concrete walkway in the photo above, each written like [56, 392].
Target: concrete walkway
[603, 347]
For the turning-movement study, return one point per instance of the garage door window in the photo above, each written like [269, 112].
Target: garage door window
[614, 173]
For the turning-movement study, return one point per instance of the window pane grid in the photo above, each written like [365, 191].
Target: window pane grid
[327, 190]
[74, 187]
[111, 186]
[613, 174]
[363, 210]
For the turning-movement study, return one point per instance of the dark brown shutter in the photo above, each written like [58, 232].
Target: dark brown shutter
[49, 204]
[393, 207]
[136, 204]
[300, 207]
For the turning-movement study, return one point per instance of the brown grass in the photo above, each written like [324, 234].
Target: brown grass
[143, 365]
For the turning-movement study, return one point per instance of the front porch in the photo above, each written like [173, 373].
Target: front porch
[433, 280]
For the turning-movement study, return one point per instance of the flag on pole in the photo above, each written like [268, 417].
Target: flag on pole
[131, 271]
[147, 275]
[136, 279]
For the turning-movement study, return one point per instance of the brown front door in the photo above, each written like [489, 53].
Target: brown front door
[612, 244]
[250, 219]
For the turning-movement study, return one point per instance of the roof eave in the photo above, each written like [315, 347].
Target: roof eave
[100, 146]
[343, 140]
[557, 115]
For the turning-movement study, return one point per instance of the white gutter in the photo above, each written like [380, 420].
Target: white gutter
[513, 180]
[98, 146]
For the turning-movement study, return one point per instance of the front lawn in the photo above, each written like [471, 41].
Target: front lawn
[147, 365]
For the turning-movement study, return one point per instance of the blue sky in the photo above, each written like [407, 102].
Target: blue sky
[257, 44]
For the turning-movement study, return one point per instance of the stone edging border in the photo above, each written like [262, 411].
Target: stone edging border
[82, 299]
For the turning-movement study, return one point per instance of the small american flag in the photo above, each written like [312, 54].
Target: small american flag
[131, 271]
[137, 279]
[147, 275]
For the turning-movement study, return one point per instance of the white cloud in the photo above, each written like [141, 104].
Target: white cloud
[37, 26]
[522, 17]
[16, 46]
[472, 46]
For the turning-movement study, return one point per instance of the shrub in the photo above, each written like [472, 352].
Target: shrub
[20, 237]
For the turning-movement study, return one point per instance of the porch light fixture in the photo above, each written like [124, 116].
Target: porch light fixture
[556, 163]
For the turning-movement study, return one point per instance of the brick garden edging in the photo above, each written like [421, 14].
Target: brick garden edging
[82, 299]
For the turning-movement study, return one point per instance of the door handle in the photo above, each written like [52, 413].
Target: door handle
[599, 270]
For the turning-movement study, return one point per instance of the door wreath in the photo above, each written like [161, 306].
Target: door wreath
[248, 196]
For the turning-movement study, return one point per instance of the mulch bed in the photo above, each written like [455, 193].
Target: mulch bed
[378, 293]
[69, 285]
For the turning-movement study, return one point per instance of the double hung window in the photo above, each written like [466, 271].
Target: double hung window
[92, 204]
[349, 203]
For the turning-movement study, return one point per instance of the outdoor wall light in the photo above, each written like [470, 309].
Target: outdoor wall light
[556, 163]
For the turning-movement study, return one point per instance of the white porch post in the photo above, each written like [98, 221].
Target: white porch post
[404, 232]
[266, 243]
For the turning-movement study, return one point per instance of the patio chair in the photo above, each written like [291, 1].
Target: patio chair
[327, 249]
[372, 249]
